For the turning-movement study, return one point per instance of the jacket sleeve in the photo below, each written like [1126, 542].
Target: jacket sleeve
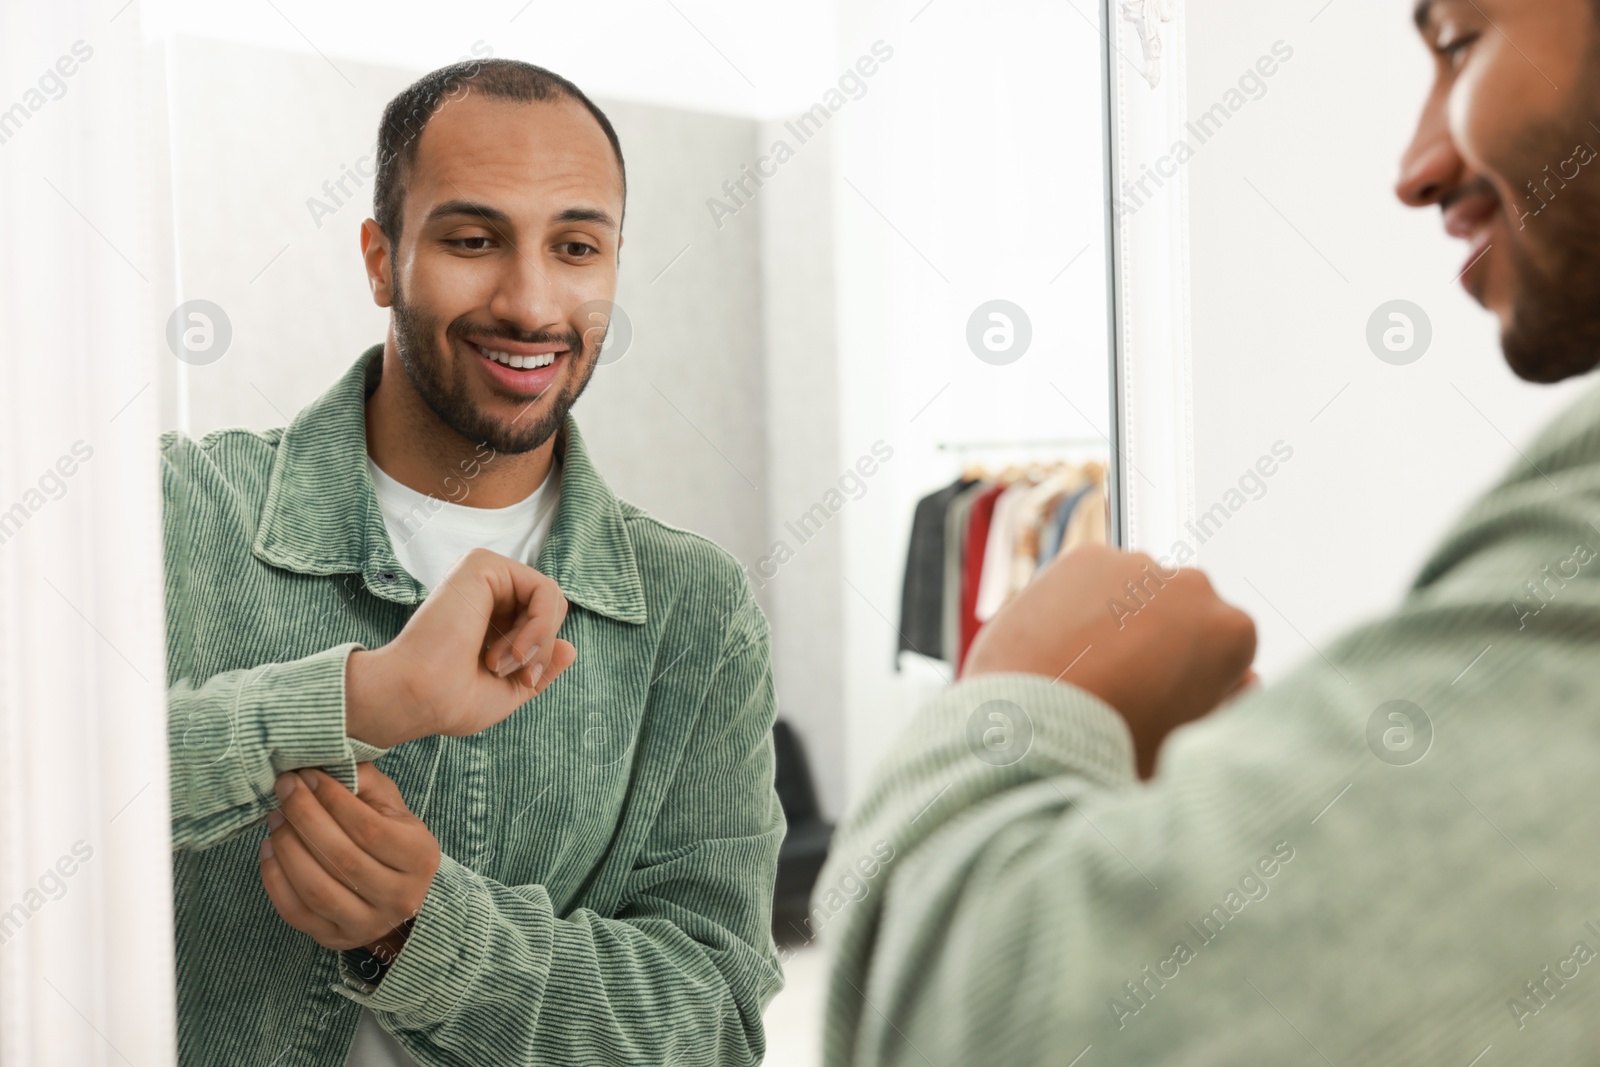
[961, 787]
[679, 975]
[230, 735]
[1040, 901]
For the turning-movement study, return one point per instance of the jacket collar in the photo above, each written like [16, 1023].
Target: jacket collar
[321, 514]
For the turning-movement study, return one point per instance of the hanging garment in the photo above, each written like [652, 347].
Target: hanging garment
[1032, 513]
[977, 542]
[955, 547]
[995, 581]
[922, 591]
[1089, 520]
[1055, 527]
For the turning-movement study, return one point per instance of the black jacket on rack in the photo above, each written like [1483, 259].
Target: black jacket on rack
[922, 595]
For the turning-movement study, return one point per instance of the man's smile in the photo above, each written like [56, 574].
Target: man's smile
[1471, 217]
[524, 369]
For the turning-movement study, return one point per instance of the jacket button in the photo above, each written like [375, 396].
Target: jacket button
[388, 577]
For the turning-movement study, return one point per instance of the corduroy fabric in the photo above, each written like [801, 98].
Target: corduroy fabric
[1303, 881]
[609, 850]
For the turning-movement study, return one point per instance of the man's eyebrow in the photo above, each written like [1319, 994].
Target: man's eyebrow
[496, 217]
[468, 207]
[586, 214]
[1423, 15]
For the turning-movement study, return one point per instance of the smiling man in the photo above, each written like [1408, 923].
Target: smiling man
[1506, 148]
[1385, 858]
[471, 760]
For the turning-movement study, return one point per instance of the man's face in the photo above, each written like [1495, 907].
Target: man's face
[1508, 145]
[509, 238]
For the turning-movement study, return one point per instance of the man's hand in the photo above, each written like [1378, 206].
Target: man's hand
[349, 871]
[1163, 656]
[481, 645]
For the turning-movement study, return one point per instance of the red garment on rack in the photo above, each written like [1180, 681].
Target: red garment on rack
[972, 567]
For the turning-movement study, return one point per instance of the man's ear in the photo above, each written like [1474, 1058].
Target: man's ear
[375, 251]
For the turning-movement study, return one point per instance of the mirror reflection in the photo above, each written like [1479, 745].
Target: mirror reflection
[624, 441]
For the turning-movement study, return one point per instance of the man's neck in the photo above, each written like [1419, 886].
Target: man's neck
[412, 445]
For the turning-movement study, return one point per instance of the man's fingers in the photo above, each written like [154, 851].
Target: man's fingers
[522, 650]
[307, 816]
[290, 907]
[1240, 628]
[331, 896]
[370, 828]
[522, 680]
[378, 790]
[535, 678]
[534, 643]
[517, 648]
[562, 656]
[522, 611]
[504, 589]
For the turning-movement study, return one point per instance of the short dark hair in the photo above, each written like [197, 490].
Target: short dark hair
[407, 116]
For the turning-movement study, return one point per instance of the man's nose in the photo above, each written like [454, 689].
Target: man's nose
[1431, 166]
[525, 297]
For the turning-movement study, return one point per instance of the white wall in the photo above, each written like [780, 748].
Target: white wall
[973, 171]
[1280, 305]
[804, 596]
[722, 56]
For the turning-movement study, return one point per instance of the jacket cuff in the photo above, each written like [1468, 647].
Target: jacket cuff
[437, 968]
[1046, 727]
[303, 711]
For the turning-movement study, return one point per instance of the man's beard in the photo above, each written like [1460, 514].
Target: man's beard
[1555, 326]
[1555, 320]
[449, 395]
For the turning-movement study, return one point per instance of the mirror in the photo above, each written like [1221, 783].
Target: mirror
[866, 261]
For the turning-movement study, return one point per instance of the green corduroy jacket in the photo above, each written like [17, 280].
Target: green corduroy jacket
[1386, 856]
[609, 850]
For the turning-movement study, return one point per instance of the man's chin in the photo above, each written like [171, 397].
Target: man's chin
[1545, 356]
[519, 438]
[513, 428]
[1549, 325]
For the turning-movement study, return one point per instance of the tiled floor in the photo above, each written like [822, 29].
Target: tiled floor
[794, 1018]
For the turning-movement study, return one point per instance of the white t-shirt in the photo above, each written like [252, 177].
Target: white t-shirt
[429, 535]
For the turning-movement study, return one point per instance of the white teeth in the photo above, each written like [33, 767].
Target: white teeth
[520, 362]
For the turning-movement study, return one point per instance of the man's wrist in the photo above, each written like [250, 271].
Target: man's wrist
[377, 708]
[371, 962]
[387, 947]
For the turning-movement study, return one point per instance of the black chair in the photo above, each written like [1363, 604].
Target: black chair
[805, 846]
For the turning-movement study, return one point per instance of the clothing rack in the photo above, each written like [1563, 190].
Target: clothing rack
[1049, 442]
[977, 541]
[1014, 465]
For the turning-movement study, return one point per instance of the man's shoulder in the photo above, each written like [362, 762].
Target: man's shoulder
[1571, 438]
[673, 560]
[1537, 507]
[235, 462]
[659, 544]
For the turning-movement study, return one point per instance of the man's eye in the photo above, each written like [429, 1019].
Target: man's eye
[577, 249]
[1455, 49]
[473, 244]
